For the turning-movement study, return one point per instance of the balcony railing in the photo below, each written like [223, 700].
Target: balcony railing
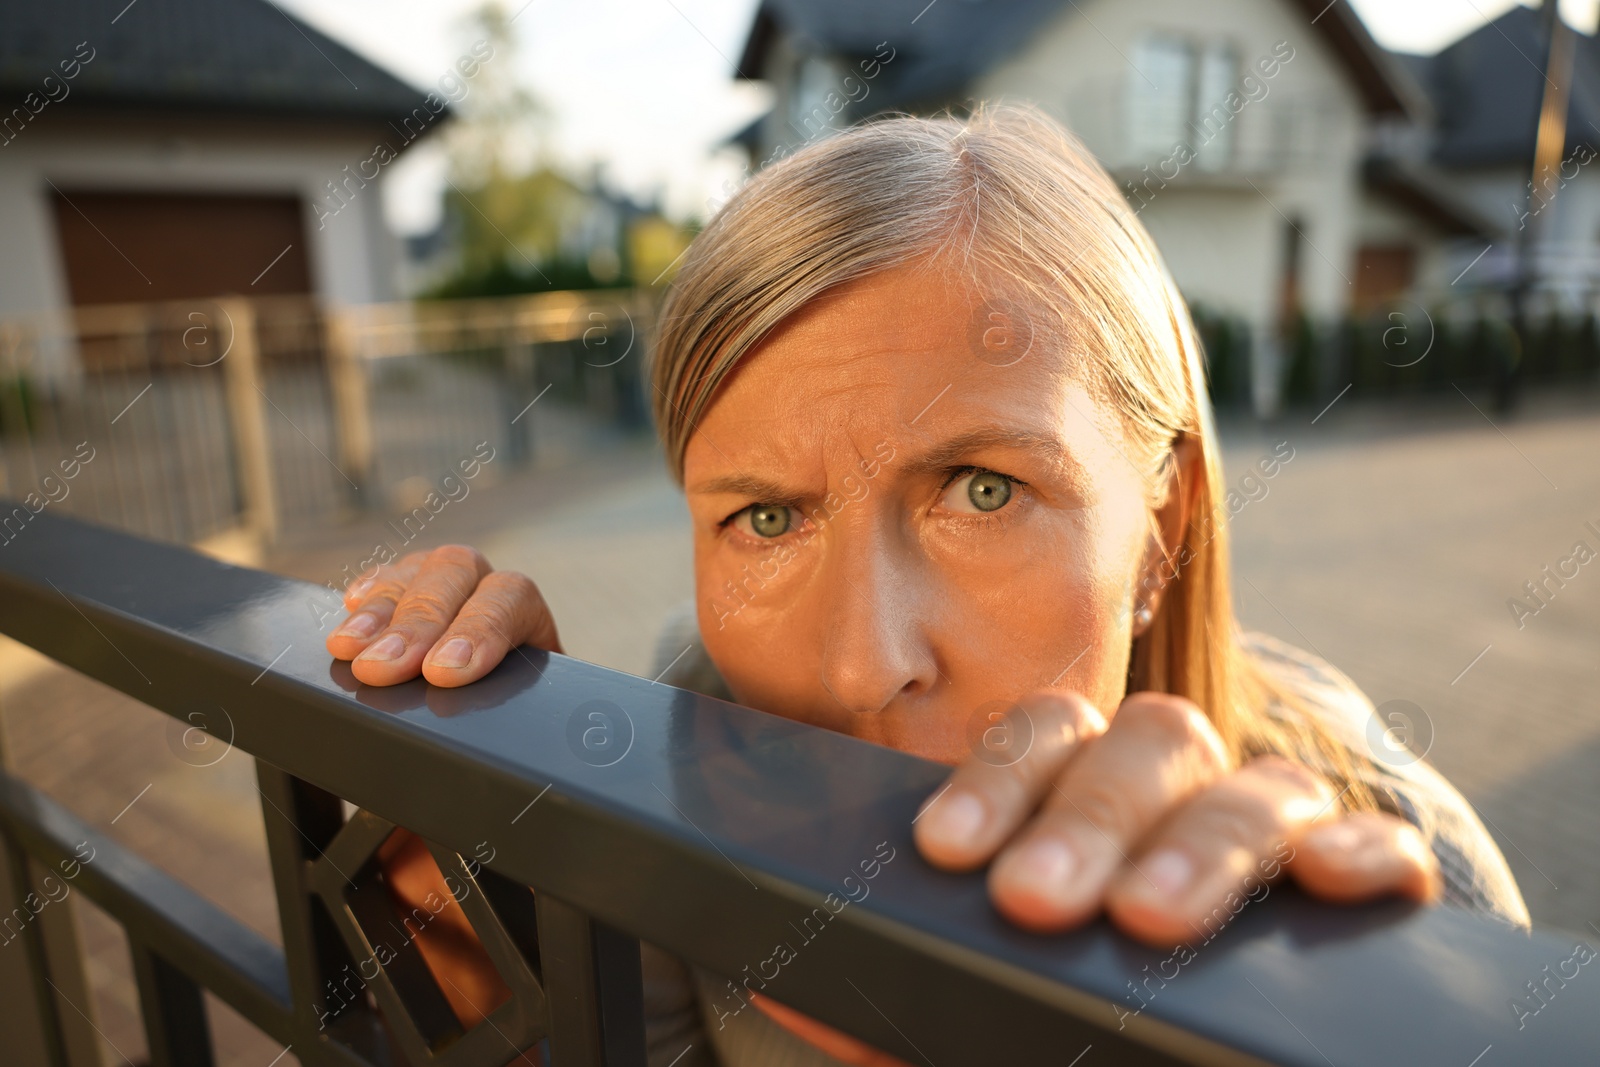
[715, 833]
[1279, 132]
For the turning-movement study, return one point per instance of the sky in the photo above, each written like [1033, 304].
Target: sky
[644, 87]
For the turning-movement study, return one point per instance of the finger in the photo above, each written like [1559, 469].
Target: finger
[371, 608]
[507, 610]
[1365, 856]
[1217, 851]
[1159, 751]
[429, 604]
[986, 799]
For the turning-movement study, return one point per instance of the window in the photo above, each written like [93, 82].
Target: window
[1161, 95]
[811, 112]
[1212, 125]
[1177, 93]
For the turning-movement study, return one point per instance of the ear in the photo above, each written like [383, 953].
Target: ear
[1184, 477]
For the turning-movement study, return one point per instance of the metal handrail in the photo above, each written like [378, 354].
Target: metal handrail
[717, 833]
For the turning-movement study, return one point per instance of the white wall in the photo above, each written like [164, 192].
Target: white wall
[1221, 233]
[353, 257]
[1568, 230]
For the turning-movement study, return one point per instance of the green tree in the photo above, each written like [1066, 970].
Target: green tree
[505, 204]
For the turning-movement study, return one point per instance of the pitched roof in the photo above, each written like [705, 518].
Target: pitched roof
[218, 56]
[1487, 89]
[1386, 87]
[939, 48]
[942, 48]
[1420, 190]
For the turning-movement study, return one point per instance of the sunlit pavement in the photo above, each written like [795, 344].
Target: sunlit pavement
[1389, 544]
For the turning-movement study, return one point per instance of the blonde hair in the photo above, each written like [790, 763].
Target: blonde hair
[1014, 200]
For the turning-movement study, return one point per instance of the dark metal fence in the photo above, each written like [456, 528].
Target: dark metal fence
[716, 833]
[1407, 350]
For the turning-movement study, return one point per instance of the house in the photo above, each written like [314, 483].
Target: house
[190, 148]
[1486, 91]
[1266, 144]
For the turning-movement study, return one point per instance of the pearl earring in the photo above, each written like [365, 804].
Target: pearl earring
[1143, 616]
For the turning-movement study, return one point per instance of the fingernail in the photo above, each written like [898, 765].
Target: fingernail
[1046, 865]
[385, 648]
[956, 818]
[362, 625]
[457, 652]
[1169, 870]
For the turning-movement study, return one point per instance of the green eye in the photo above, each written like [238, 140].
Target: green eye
[989, 491]
[769, 521]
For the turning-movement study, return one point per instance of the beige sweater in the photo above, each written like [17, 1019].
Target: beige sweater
[680, 1023]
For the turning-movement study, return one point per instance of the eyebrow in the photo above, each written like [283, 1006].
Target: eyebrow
[938, 457]
[748, 485]
[950, 452]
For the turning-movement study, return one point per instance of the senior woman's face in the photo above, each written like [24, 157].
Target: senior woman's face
[906, 517]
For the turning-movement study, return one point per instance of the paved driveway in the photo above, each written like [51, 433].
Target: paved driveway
[1391, 544]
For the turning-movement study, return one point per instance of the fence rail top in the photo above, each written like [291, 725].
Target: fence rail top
[720, 832]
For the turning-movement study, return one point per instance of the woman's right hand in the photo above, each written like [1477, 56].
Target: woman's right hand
[444, 614]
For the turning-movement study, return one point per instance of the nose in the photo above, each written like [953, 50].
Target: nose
[878, 646]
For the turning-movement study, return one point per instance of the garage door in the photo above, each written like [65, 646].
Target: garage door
[122, 247]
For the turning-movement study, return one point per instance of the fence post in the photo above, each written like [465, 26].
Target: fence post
[42, 1026]
[352, 410]
[520, 361]
[1332, 369]
[10, 380]
[1266, 370]
[175, 1025]
[592, 985]
[252, 448]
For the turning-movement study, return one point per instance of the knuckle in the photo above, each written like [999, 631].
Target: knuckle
[1106, 808]
[390, 581]
[509, 595]
[1285, 773]
[1178, 722]
[1007, 782]
[1175, 719]
[463, 556]
[425, 607]
[1237, 826]
[1067, 713]
[1170, 716]
[1006, 787]
[382, 590]
[513, 585]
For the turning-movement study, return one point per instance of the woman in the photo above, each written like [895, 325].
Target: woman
[940, 416]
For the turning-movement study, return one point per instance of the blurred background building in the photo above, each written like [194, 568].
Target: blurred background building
[191, 150]
[1294, 173]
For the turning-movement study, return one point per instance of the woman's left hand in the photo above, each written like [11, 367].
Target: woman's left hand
[1148, 819]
